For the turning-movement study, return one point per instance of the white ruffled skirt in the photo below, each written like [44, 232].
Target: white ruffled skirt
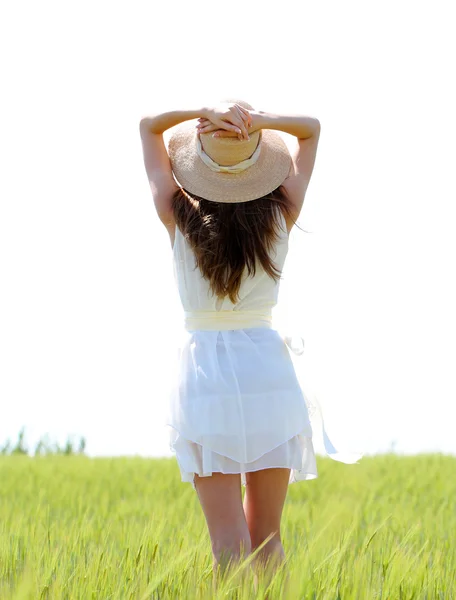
[236, 406]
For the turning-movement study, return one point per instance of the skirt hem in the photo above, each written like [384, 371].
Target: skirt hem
[295, 453]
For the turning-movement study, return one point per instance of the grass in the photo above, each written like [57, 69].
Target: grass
[74, 527]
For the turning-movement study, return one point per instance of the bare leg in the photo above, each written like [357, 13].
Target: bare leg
[220, 497]
[264, 499]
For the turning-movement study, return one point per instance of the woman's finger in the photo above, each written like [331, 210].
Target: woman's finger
[244, 117]
[224, 121]
[241, 122]
[225, 133]
[207, 128]
[232, 125]
[238, 124]
[204, 122]
[243, 111]
[246, 113]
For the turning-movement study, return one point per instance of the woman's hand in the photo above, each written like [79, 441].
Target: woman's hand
[219, 132]
[228, 116]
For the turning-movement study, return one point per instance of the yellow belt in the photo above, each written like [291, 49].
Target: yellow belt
[239, 319]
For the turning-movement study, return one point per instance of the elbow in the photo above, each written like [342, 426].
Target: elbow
[146, 125]
[314, 129]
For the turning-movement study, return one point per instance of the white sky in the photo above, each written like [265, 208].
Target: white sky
[88, 307]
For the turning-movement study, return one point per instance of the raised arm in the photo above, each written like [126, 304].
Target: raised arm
[160, 122]
[300, 126]
[307, 132]
[156, 159]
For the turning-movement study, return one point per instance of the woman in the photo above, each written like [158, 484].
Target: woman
[228, 192]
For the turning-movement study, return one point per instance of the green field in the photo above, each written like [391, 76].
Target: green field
[77, 527]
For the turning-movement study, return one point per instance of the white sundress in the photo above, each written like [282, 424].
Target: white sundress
[235, 403]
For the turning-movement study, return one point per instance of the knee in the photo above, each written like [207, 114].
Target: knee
[231, 546]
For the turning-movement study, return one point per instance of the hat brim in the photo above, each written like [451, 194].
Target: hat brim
[268, 173]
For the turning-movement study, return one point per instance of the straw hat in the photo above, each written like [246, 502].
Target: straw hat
[228, 169]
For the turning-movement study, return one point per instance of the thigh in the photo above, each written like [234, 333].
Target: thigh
[265, 494]
[220, 496]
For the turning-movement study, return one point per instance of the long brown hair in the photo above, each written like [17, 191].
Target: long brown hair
[227, 237]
